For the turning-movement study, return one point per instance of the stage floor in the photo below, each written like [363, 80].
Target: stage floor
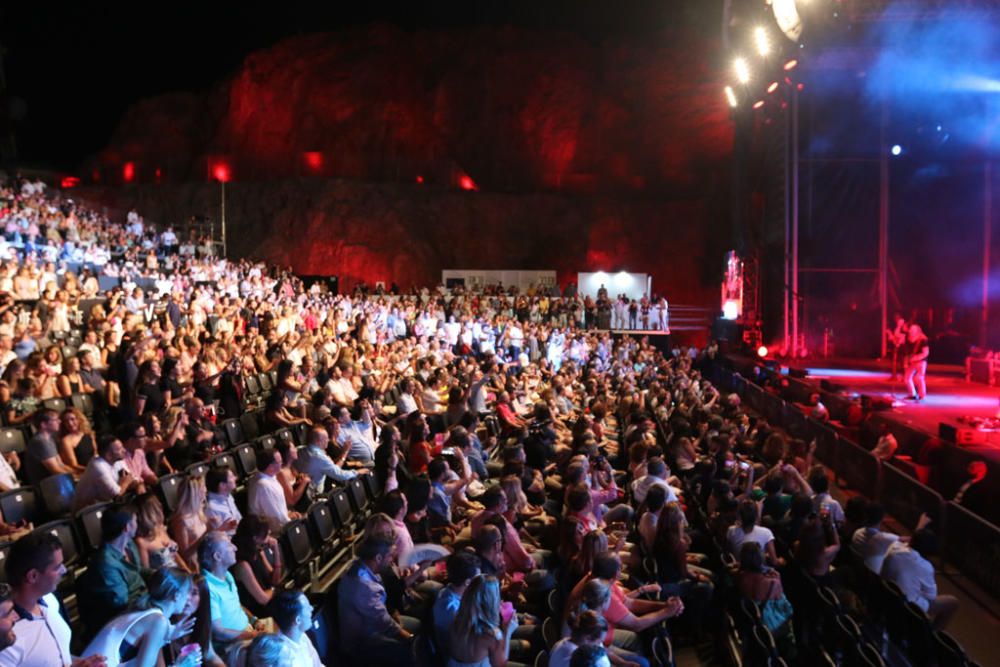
[949, 396]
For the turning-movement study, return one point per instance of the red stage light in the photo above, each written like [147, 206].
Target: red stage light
[70, 182]
[466, 183]
[314, 160]
[773, 87]
[791, 64]
[762, 351]
[420, 179]
[801, 86]
[128, 172]
[758, 104]
[221, 172]
[159, 174]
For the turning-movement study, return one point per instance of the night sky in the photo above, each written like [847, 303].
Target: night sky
[77, 68]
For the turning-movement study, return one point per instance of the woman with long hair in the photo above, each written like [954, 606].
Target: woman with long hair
[480, 635]
[259, 568]
[156, 548]
[188, 523]
[136, 638]
[76, 440]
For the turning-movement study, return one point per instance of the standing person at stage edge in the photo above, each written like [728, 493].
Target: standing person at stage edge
[917, 350]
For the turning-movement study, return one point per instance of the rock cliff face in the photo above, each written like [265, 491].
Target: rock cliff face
[348, 154]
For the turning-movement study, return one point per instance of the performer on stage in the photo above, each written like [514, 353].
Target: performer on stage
[896, 337]
[916, 349]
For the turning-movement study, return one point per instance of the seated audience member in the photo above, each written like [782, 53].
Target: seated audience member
[133, 436]
[156, 548]
[755, 580]
[266, 497]
[461, 567]
[909, 567]
[589, 655]
[871, 544]
[188, 523]
[481, 635]
[443, 491]
[259, 567]
[76, 440]
[818, 545]
[8, 617]
[293, 616]
[114, 575]
[656, 498]
[41, 634]
[41, 457]
[103, 481]
[820, 485]
[657, 474]
[230, 623]
[747, 530]
[357, 432]
[316, 464]
[269, 651]
[887, 445]
[294, 484]
[221, 512]
[366, 627]
[137, 637]
[586, 629]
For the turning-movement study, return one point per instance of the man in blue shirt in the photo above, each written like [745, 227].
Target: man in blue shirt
[366, 627]
[230, 624]
[462, 566]
[314, 461]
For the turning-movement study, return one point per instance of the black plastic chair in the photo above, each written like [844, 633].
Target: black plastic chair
[84, 403]
[285, 435]
[663, 651]
[761, 648]
[20, 504]
[371, 486]
[297, 545]
[226, 460]
[550, 633]
[864, 654]
[56, 404]
[63, 530]
[251, 429]
[264, 380]
[246, 459]
[57, 492]
[542, 659]
[948, 651]
[12, 440]
[342, 509]
[89, 525]
[265, 444]
[322, 524]
[358, 496]
[918, 633]
[234, 432]
[168, 489]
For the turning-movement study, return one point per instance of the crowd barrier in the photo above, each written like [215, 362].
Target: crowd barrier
[971, 543]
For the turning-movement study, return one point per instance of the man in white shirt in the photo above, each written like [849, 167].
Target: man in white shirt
[220, 507]
[103, 480]
[657, 473]
[871, 544]
[267, 498]
[907, 566]
[314, 461]
[293, 616]
[41, 635]
[357, 433]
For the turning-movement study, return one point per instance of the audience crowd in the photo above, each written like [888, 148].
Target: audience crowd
[532, 483]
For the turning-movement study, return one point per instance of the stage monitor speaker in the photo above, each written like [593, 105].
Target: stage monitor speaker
[876, 403]
[961, 435]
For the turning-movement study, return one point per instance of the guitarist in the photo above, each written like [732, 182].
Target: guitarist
[917, 349]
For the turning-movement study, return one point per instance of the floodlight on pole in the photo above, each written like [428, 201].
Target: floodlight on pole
[742, 70]
[731, 96]
[762, 41]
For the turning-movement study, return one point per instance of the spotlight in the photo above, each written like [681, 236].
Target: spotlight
[758, 104]
[762, 351]
[791, 64]
[731, 96]
[730, 310]
[762, 41]
[742, 70]
[897, 149]
[773, 87]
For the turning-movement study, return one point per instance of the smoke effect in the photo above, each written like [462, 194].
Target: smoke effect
[947, 69]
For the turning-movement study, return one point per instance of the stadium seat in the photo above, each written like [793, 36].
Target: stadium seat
[63, 529]
[265, 444]
[20, 504]
[234, 432]
[342, 510]
[84, 403]
[297, 546]
[371, 486]
[56, 492]
[12, 440]
[226, 460]
[542, 659]
[246, 458]
[322, 523]
[56, 404]
[251, 429]
[550, 632]
[168, 489]
[948, 651]
[264, 380]
[89, 525]
[358, 497]
[199, 469]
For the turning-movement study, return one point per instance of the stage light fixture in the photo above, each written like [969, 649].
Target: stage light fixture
[742, 70]
[897, 149]
[773, 87]
[791, 64]
[762, 41]
[762, 351]
[758, 104]
[731, 96]
[786, 14]
[730, 310]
